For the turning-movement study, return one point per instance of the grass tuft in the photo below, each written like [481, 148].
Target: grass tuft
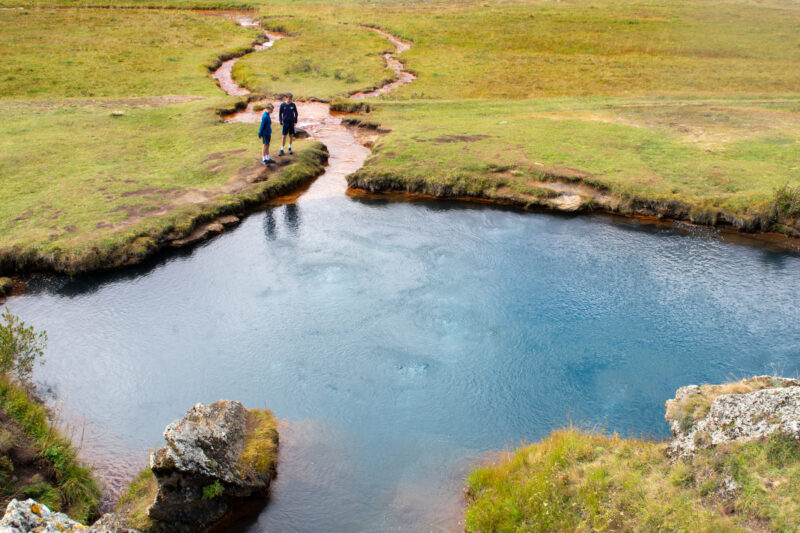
[137, 499]
[787, 201]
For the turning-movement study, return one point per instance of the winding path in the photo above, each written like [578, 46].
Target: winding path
[347, 154]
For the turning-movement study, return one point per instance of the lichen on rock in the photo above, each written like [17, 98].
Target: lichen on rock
[706, 416]
[23, 516]
[200, 471]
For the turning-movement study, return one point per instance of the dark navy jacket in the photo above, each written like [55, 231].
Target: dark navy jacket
[266, 125]
[287, 113]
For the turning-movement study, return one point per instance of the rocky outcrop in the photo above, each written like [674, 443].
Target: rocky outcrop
[28, 515]
[201, 470]
[773, 405]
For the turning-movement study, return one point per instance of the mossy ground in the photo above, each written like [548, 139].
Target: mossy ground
[36, 461]
[578, 481]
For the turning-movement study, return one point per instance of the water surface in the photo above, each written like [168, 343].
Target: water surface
[401, 341]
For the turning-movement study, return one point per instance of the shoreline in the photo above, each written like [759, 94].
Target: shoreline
[643, 210]
[213, 218]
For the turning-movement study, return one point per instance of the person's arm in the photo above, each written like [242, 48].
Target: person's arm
[263, 123]
[280, 114]
[296, 115]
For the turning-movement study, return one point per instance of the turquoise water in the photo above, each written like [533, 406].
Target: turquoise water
[403, 341]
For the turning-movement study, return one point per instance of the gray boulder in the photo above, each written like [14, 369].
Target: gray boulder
[199, 471]
[731, 417]
[24, 516]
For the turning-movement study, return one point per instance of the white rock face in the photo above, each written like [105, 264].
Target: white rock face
[739, 417]
[27, 516]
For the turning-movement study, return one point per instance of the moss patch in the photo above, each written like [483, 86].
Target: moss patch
[260, 452]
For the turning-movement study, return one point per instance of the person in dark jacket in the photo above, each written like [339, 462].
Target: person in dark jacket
[265, 134]
[287, 115]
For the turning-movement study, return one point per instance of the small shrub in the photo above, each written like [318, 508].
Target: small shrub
[20, 347]
[7, 441]
[212, 491]
[787, 200]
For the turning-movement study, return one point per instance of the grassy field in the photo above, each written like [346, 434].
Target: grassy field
[729, 155]
[576, 481]
[321, 60]
[111, 142]
[110, 122]
[102, 53]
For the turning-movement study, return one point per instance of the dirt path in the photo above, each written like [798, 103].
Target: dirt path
[347, 154]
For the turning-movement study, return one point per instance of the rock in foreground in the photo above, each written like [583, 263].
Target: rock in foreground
[215, 454]
[28, 515]
[700, 417]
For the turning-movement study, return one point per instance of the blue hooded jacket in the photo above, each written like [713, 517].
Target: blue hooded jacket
[266, 125]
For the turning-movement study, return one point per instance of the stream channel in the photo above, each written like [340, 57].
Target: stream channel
[400, 342]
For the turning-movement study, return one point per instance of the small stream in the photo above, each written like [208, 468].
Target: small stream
[402, 342]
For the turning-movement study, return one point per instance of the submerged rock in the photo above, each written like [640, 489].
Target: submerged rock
[743, 411]
[202, 468]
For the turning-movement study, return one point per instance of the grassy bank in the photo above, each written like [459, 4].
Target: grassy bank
[36, 461]
[577, 481]
[708, 162]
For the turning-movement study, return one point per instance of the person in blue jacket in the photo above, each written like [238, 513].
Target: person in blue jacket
[265, 134]
[287, 115]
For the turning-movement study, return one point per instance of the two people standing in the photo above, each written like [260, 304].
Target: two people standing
[287, 117]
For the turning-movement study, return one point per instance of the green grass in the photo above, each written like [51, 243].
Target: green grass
[320, 60]
[577, 481]
[76, 492]
[137, 499]
[105, 53]
[729, 155]
[584, 48]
